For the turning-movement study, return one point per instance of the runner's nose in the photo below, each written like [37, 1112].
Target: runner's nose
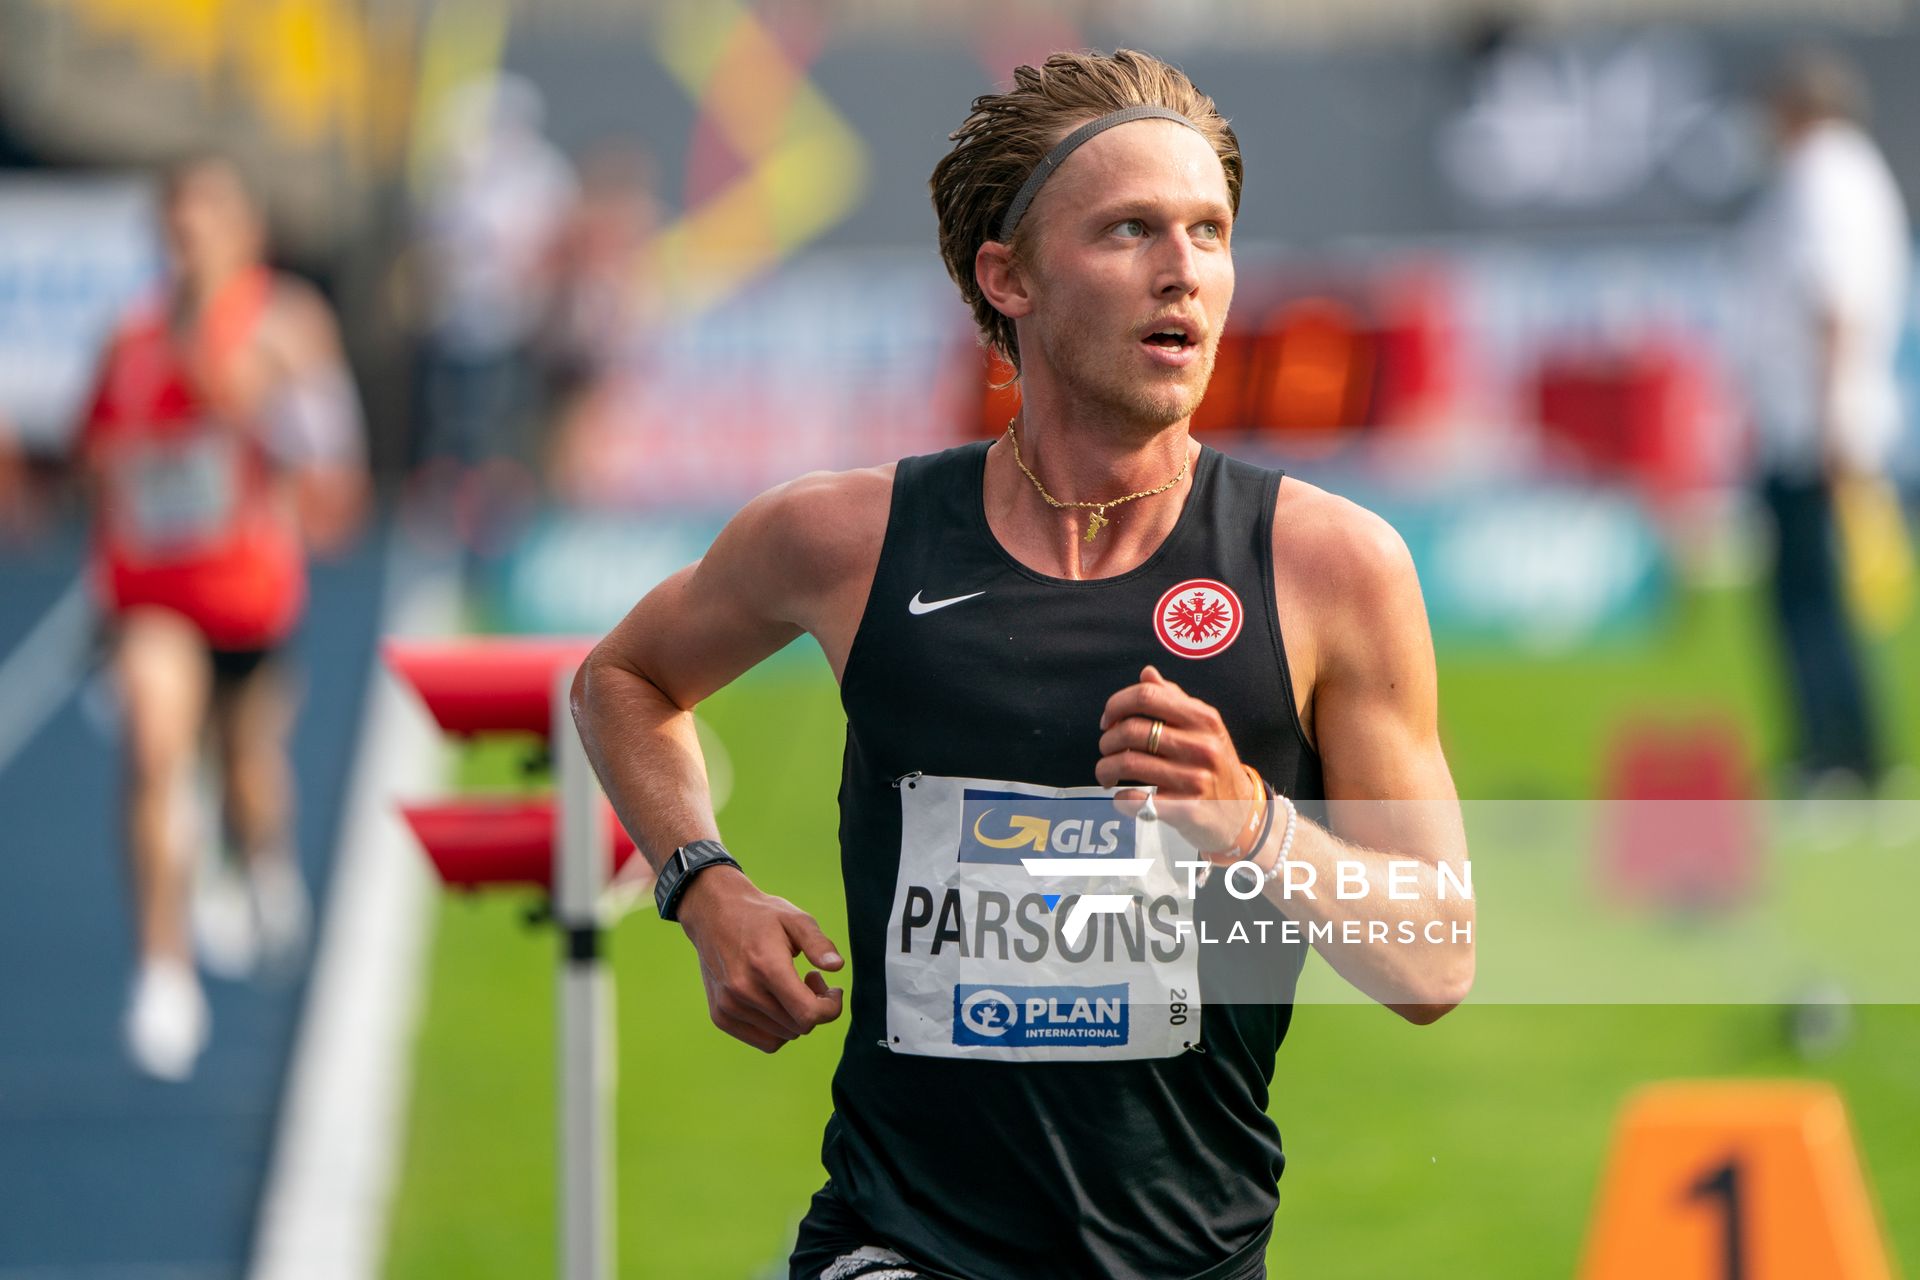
[1179, 273]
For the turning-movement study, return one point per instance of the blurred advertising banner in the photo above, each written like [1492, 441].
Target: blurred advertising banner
[829, 363]
[578, 574]
[1544, 569]
[73, 252]
[1487, 124]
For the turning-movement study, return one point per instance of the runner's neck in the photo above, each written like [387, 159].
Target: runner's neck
[1053, 542]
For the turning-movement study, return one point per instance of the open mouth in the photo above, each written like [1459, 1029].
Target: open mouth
[1169, 339]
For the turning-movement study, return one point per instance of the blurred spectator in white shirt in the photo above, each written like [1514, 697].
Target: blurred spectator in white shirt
[1825, 254]
[599, 291]
[498, 200]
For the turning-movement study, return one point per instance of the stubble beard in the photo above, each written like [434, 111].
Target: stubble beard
[1146, 404]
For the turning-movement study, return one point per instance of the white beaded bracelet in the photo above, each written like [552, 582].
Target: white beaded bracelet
[1268, 876]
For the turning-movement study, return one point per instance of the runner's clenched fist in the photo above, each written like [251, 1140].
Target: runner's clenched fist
[1200, 786]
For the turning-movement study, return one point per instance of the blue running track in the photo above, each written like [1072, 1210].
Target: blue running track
[102, 1172]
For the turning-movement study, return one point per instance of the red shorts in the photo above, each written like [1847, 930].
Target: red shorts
[248, 595]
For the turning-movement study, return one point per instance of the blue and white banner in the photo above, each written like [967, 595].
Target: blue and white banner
[73, 253]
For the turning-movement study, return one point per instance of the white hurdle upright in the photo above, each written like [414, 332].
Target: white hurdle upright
[587, 1051]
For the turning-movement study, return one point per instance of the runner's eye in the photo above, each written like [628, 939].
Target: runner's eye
[1131, 229]
[1210, 231]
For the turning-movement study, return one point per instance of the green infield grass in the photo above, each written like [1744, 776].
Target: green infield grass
[1469, 1148]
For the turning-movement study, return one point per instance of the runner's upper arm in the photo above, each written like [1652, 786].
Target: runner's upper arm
[759, 586]
[1377, 697]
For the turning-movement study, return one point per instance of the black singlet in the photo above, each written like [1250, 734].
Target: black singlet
[1009, 1170]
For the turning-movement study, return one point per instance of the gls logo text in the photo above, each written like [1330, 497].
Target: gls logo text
[1006, 827]
[1054, 838]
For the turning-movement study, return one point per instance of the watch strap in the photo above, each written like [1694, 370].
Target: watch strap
[688, 861]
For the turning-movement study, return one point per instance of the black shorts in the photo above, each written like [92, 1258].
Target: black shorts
[835, 1245]
[231, 667]
[234, 666]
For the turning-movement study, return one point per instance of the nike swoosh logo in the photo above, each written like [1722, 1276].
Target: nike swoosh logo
[918, 606]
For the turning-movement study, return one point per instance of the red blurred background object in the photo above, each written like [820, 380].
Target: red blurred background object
[504, 685]
[1644, 414]
[1677, 831]
[482, 841]
[493, 686]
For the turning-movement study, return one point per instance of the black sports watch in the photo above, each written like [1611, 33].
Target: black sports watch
[678, 871]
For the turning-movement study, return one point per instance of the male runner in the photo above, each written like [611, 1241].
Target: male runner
[224, 430]
[1003, 655]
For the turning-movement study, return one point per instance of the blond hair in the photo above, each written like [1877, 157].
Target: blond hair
[1007, 134]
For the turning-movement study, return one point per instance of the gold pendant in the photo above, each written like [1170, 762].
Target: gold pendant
[1095, 523]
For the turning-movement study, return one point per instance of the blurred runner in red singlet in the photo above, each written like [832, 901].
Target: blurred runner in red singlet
[224, 437]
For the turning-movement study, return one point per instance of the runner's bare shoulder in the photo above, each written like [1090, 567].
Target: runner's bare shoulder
[1346, 546]
[301, 324]
[818, 536]
[1340, 570]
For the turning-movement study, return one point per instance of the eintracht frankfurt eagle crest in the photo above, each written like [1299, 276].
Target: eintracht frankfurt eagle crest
[1198, 618]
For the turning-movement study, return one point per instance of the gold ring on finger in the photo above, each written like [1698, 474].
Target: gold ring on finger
[1153, 737]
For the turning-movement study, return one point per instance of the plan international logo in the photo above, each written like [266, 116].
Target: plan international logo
[1018, 1016]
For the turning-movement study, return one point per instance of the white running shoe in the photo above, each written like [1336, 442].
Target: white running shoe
[167, 1021]
[281, 912]
[225, 936]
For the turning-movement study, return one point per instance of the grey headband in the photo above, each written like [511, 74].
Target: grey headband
[1072, 143]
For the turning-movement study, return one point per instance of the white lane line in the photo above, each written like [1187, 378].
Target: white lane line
[336, 1155]
[44, 668]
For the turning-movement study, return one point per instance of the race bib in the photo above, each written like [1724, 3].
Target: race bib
[175, 495]
[1036, 924]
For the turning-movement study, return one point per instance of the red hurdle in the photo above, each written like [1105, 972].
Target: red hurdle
[568, 844]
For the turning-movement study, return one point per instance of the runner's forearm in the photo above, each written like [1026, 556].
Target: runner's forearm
[647, 755]
[1414, 902]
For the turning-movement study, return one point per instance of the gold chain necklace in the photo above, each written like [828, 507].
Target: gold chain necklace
[1097, 520]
